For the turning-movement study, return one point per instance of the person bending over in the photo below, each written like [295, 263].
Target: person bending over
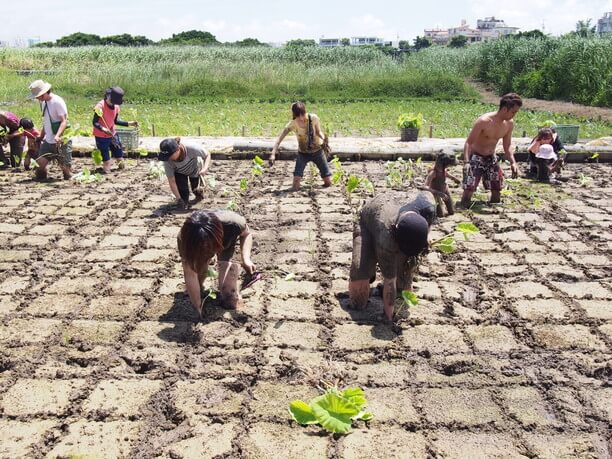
[209, 233]
[391, 232]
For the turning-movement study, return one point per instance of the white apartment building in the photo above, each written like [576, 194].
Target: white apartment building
[354, 41]
[604, 24]
[488, 28]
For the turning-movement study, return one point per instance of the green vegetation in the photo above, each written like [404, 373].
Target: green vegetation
[410, 121]
[221, 89]
[335, 410]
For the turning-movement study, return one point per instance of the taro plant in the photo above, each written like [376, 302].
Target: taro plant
[447, 244]
[335, 410]
[156, 170]
[400, 172]
[410, 121]
[85, 176]
[210, 292]
[96, 156]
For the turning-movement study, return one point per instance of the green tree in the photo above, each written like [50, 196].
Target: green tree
[79, 39]
[584, 29]
[404, 44]
[126, 40]
[535, 33]
[421, 42]
[458, 41]
[345, 42]
[300, 42]
[191, 37]
[249, 42]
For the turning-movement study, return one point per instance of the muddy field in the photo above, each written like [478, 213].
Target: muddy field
[508, 353]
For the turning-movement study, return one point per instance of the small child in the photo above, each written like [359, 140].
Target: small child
[545, 158]
[436, 183]
[32, 135]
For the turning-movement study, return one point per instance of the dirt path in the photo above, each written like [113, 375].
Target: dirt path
[567, 108]
[507, 354]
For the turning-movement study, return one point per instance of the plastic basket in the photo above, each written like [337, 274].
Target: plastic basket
[128, 139]
[568, 133]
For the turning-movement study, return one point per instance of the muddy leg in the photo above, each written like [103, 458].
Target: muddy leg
[495, 196]
[359, 292]
[228, 283]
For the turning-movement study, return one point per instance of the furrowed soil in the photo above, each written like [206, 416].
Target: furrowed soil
[507, 354]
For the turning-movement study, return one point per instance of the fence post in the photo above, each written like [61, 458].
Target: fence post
[243, 131]
[199, 132]
[153, 129]
[431, 131]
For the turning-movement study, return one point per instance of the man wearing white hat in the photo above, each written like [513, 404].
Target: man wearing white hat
[55, 122]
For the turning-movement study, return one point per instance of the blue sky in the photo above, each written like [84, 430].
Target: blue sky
[278, 21]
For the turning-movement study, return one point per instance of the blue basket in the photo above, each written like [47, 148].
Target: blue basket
[568, 133]
[128, 139]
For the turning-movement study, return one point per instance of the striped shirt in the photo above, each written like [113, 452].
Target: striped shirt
[191, 165]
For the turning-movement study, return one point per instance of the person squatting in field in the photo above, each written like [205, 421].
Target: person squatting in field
[392, 232]
[10, 123]
[307, 128]
[481, 162]
[542, 163]
[206, 234]
[105, 118]
[55, 122]
[184, 165]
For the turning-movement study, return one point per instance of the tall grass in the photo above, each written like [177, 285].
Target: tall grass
[574, 69]
[169, 73]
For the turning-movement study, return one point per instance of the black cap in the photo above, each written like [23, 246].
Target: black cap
[116, 95]
[411, 232]
[167, 147]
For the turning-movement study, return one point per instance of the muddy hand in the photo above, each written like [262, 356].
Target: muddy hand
[514, 169]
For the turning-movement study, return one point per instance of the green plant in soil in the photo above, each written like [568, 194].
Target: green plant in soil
[210, 292]
[335, 410]
[447, 244]
[85, 176]
[401, 172]
[156, 170]
[410, 121]
[96, 156]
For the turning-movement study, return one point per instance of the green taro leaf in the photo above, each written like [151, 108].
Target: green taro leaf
[244, 184]
[365, 416]
[467, 229]
[333, 412]
[410, 298]
[289, 277]
[96, 156]
[355, 395]
[258, 161]
[352, 183]
[302, 413]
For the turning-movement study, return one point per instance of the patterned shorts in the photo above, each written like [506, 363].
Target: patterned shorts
[485, 168]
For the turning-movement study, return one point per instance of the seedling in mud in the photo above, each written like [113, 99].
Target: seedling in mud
[584, 180]
[447, 244]
[142, 152]
[408, 299]
[210, 292]
[258, 166]
[87, 177]
[96, 156]
[335, 410]
[400, 172]
[156, 170]
[339, 172]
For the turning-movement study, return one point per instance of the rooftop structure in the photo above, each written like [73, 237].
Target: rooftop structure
[604, 24]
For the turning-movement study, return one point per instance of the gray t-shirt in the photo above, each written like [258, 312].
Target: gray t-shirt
[378, 216]
[191, 165]
[233, 226]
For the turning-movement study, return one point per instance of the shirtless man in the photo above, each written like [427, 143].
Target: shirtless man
[479, 150]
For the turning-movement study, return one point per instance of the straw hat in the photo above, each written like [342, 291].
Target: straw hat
[38, 88]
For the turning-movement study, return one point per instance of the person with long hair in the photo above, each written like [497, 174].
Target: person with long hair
[209, 233]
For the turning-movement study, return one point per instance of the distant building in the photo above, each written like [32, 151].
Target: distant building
[604, 25]
[354, 41]
[33, 41]
[330, 42]
[361, 41]
[437, 36]
[486, 29]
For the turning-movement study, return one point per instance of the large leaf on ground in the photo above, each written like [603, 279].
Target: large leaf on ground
[302, 413]
[467, 229]
[356, 396]
[410, 298]
[334, 412]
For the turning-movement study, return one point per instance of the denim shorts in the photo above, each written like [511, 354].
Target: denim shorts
[318, 158]
[107, 146]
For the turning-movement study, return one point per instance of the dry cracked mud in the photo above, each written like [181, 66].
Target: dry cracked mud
[506, 355]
